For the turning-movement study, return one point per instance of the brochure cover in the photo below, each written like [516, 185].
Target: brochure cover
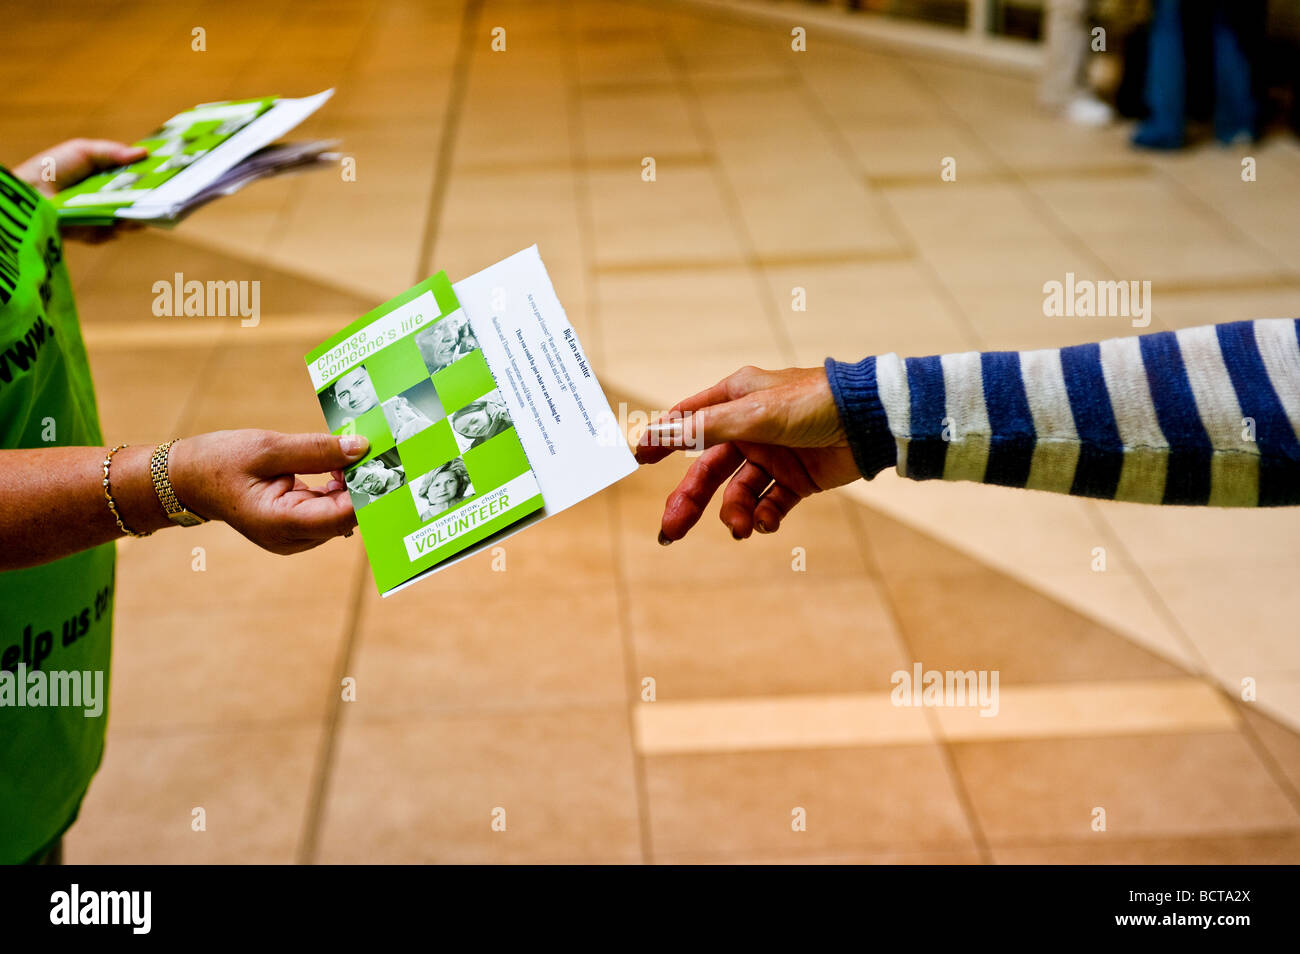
[482, 411]
[192, 156]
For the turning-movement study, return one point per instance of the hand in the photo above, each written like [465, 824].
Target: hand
[776, 434]
[69, 163]
[247, 479]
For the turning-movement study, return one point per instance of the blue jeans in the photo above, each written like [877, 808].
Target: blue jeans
[1236, 112]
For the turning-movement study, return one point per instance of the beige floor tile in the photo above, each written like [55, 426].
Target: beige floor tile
[868, 799]
[253, 666]
[1278, 695]
[1194, 260]
[428, 790]
[1149, 786]
[857, 309]
[786, 217]
[972, 214]
[629, 125]
[678, 218]
[796, 637]
[139, 406]
[161, 571]
[1217, 604]
[1282, 847]
[1092, 710]
[986, 620]
[715, 310]
[709, 555]
[1281, 743]
[966, 856]
[917, 150]
[253, 786]
[428, 651]
[775, 723]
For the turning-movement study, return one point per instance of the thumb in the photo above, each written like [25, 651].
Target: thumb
[314, 453]
[105, 153]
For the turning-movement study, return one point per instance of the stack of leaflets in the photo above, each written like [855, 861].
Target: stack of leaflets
[204, 152]
[483, 413]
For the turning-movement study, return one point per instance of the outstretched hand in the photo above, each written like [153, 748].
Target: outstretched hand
[777, 437]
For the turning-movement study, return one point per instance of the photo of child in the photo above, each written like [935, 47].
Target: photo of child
[441, 489]
[481, 420]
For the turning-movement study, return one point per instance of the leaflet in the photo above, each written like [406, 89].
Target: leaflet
[483, 413]
[212, 149]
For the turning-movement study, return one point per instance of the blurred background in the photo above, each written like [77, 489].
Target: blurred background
[797, 155]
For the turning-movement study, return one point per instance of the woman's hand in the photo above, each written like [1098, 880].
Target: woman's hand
[776, 434]
[248, 479]
[63, 166]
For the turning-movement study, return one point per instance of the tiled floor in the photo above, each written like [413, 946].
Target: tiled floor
[522, 702]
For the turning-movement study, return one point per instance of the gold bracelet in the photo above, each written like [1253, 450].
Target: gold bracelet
[112, 504]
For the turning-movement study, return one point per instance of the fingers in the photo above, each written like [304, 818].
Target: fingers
[652, 446]
[741, 497]
[315, 518]
[772, 508]
[766, 483]
[754, 418]
[685, 505]
[106, 153]
[309, 453]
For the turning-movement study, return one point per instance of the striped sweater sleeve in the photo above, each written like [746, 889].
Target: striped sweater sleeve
[1207, 416]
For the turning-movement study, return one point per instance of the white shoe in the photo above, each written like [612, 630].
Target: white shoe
[1089, 111]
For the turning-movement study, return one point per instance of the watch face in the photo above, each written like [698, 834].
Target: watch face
[185, 519]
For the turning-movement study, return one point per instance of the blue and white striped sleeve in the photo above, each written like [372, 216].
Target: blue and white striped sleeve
[1207, 416]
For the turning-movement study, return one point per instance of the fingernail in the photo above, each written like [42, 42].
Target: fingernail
[762, 527]
[663, 539]
[353, 445]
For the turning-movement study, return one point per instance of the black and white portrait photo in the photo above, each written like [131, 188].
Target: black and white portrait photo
[446, 340]
[375, 478]
[480, 421]
[413, 410]
[441, 489]
[348, 398]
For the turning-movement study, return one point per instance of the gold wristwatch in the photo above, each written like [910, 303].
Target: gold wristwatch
[162, 486]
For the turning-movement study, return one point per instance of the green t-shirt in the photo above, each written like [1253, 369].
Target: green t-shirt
[56, 618]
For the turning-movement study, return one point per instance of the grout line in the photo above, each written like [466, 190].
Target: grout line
[323, 771]
[586, 240]
[450, 129]
[631, 681]
[309, 846]
[690, 95]
[189, 407]
[531, 167]
[941, 741]
[297, 187]
[825, 118]
[1204, 670]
